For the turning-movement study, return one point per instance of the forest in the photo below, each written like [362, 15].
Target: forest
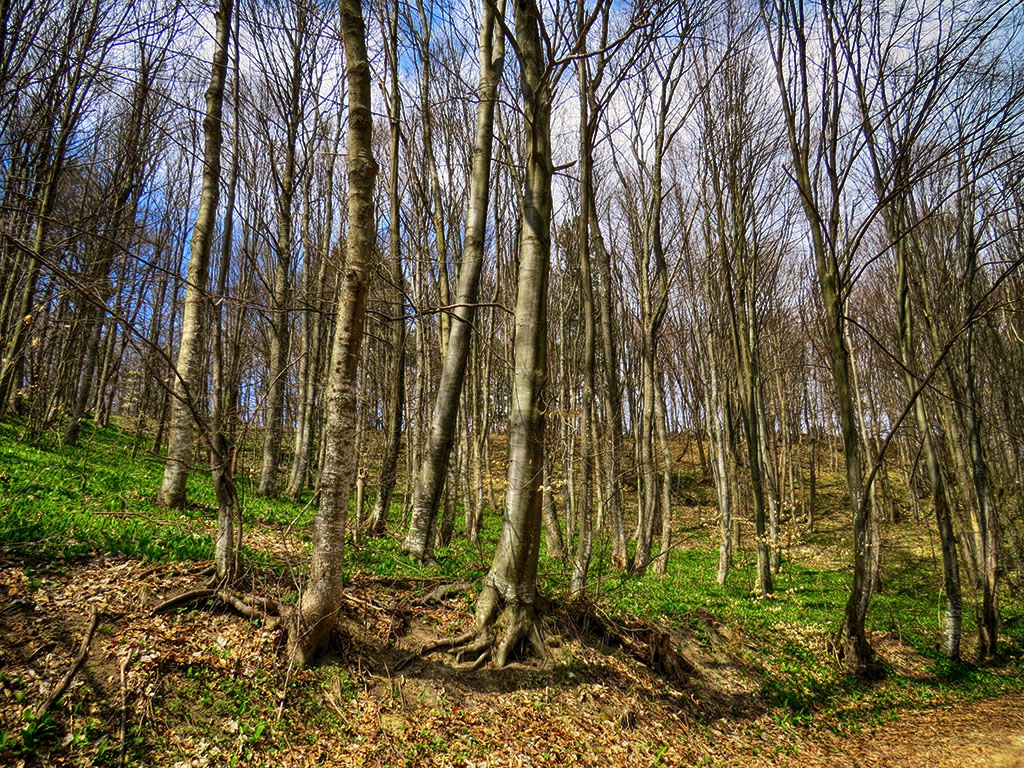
[499, 350]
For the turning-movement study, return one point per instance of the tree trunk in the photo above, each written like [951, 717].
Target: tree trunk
[511, 582]
[433, 466]
[396, 324]
[190, 381]
[228, 546]
[280, 313]
[813, 134]
[953, 623]
[313, 336]
[718, 417]
[587, 222]
[988, 622]
[315, 616]
[552, 528]
[661, 561]
[611, 396]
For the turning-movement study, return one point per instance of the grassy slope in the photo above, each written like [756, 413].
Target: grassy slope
[76, 524]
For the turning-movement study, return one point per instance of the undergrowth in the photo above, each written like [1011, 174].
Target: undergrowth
[97, 498]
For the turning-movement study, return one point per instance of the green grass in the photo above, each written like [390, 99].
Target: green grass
[96, 498]
[71, 502]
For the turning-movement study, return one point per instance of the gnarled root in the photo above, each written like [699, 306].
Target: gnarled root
[518, 624]
[250, 606]
[497, 637]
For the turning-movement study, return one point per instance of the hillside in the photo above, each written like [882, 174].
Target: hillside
[746, 682]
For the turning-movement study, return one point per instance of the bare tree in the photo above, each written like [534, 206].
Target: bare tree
[190, 374]
[813, 97]
[419, 541]
[314, 617]
[510, 586]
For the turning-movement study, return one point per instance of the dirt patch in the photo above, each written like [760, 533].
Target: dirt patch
[984, 733]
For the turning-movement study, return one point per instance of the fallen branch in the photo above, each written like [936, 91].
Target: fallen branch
[83, 654]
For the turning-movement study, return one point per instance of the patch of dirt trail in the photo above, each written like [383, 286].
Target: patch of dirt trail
[983, 733]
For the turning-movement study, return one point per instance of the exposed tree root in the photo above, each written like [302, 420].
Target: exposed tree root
[497, 637]
[518, 624]
[447, 643]
[83, 654]
[250, 606]
[655, 646]
[441, 593]
[185, 598]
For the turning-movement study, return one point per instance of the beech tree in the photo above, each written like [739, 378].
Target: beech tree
[508, 598]
[190, 374]
[740, 197]
[396, 330]
[785, 246]
[813, 96]
[419, 542]
[313, 619]
[73, 54]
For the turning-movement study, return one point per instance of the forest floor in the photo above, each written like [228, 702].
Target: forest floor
[203, 687]
[749, 681]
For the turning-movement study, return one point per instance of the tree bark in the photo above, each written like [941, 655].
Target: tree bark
[418, 542]
[280, 313]
[396, 323]
[511, 582]
[315, 616]
[190, 378]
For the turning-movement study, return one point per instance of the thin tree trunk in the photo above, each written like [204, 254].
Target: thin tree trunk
[396, 329]
[313, 337]
[552, 528]
[587, 448]
[315, 616]
[228, 545]
[611, 395]
[661, 416]
[190, 381]
[988, 623]
[433, 466]
[280, 313]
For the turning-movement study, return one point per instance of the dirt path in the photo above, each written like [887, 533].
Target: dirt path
[986, 733]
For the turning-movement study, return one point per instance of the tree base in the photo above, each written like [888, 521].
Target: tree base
[502, 632]
[857, 655]
[309, 630]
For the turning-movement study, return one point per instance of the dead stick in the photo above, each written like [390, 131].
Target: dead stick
[83, 654]
[124, 714]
